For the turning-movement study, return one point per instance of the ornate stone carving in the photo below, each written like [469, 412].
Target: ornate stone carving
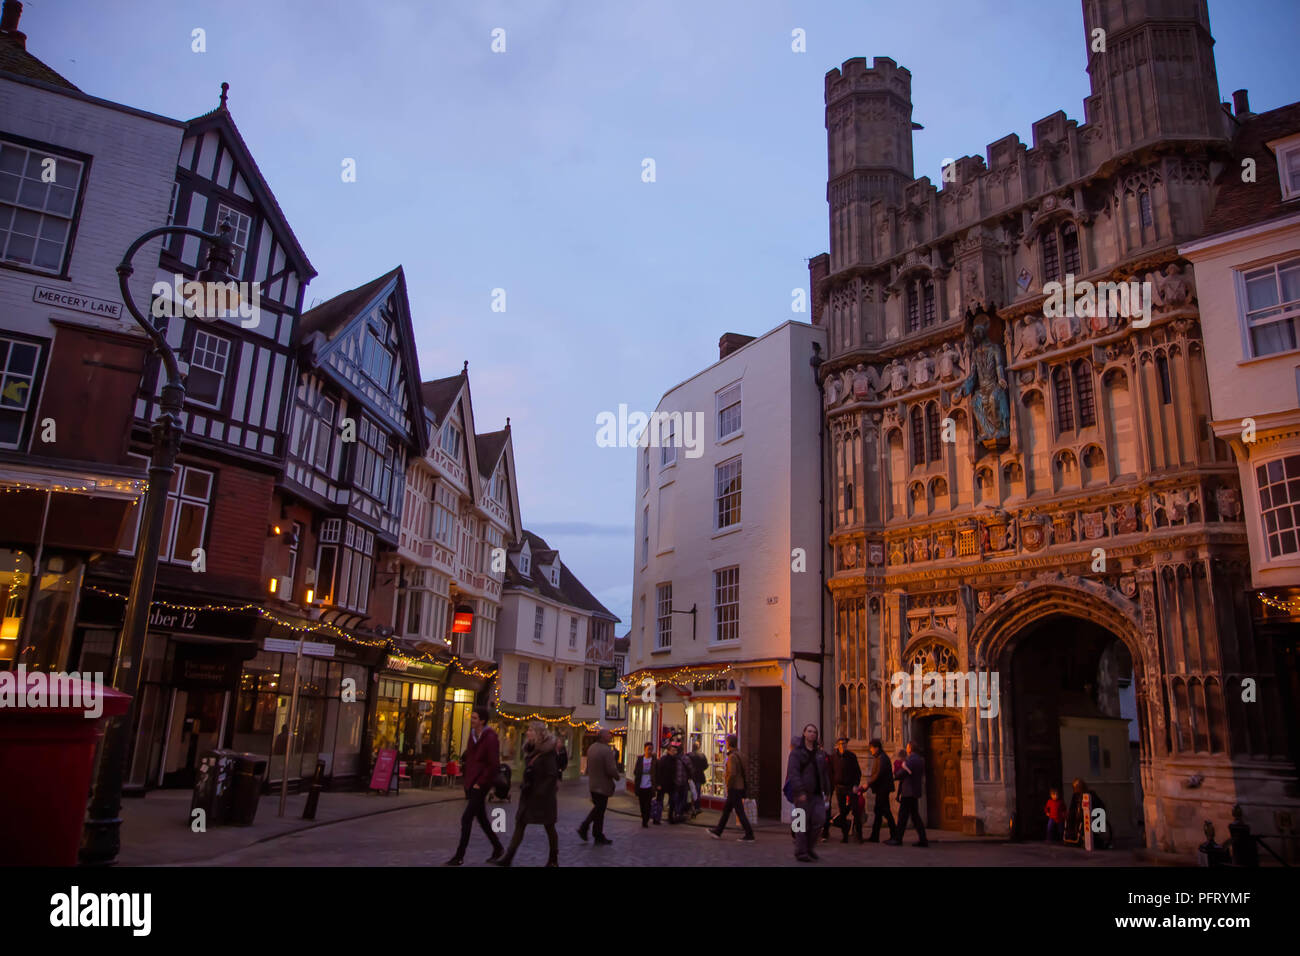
[987, 383]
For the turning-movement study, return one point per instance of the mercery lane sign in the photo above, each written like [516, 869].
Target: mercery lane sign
[77, 303]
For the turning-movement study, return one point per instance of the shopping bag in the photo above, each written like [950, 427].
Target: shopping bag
[656, 809]
[751, 808]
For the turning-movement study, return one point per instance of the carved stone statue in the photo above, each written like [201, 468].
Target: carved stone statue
[1033, 335]
[1171, 289]
[949, 359]
[987, 383]
[922, 369]
[863, 388]
[897, 374]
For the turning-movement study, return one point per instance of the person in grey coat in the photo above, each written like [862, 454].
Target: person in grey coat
[602, 773]
[909, 791]
[808, 781]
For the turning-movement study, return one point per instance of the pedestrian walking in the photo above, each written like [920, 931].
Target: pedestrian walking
[481, 765]
[561, 755]
[685, 775]
[880, 781]
[643, 777]
[807, 782]
[667, 779]
[537, 792]
[913, 771]
[699, 767]
[735, 773]
[602, 774]
[846, 775]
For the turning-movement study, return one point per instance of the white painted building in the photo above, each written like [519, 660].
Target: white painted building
[552, 638]
[727, 608]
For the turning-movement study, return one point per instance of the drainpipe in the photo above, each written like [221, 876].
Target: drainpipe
[816, 362]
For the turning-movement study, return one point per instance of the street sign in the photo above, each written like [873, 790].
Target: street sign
[310, 648]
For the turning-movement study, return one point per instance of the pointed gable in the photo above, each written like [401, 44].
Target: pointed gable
[363, 340]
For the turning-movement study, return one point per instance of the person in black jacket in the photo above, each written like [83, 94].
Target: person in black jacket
[666, 781]
[880, 782]
[537, 792]
[644, 775]
[845, 777]
[699, 765]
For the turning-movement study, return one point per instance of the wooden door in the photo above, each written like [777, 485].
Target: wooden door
[943, 775]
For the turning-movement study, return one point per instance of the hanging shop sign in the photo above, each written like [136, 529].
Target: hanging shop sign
[463, 622]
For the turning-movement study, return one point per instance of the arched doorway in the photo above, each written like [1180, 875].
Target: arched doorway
[942, 744]
[1074, 715]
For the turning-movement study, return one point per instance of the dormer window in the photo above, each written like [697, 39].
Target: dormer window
[1288, 166]
[555, 576]
[376, 360]
[524, 564]
[1060, 252]
[450, 441]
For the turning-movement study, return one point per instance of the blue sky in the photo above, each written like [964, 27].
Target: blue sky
[522, 171]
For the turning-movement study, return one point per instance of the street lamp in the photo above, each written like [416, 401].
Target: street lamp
[101, 840]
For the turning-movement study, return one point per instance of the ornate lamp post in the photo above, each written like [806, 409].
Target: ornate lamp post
[101, 838]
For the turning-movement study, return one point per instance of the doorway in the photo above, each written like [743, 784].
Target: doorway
[196, 729]
[1074, 709]
[771, 752]
[943, 773]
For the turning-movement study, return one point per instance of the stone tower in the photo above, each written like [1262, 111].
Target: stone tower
[868, 148]
[1154, 79]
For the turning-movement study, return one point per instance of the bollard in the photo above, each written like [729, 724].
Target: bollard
[1242, 843]
[309, 812]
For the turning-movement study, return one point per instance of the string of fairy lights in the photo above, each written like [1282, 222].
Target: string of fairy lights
[679, 677]
[590, 727]
[419, 657]
[1291, 607]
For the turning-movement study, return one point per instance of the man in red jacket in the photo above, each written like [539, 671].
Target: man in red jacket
[482, 760]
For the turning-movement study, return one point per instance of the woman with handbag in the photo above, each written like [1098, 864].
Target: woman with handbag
[537, 792]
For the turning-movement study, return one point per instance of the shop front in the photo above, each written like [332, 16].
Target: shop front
[421, 713]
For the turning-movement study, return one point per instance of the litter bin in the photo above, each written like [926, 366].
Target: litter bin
[47, 757]
[250, 772]
[213, 786]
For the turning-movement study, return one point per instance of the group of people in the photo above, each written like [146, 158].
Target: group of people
[817, 783]
[1069, 826]
[670, 783]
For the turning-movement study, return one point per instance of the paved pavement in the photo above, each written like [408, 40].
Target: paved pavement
[421, 829]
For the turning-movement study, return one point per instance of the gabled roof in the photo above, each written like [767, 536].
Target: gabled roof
[221, 119]
[439, 394]
[15, 59]
[490, 446]
[335, 315]
[571, 591]
[1239, 204]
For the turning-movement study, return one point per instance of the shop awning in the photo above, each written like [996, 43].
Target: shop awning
[88, 503]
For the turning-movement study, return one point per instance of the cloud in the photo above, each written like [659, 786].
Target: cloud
[582, 529]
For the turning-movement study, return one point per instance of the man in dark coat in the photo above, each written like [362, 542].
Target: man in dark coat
[699, 768]
[913, 773]
[807, 776]
[846, 774]
[537, 792]
[481, 761]
[667, 780]
[643, 778]
[880, 781]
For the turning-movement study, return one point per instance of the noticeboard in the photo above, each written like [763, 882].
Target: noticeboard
[385, 768]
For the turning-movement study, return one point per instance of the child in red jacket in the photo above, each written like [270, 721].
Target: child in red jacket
[1055, 811]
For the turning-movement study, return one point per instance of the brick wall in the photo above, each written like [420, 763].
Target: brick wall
[238, 532]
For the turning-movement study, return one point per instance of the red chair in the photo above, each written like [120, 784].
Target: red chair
[432, 770]
[453, 772]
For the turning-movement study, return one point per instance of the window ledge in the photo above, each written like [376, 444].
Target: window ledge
[660, 554]
[723, 645]
[732, 437]
[661, 651]
[730, 529]
[1255, 360]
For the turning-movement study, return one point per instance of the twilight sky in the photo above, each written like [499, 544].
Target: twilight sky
[522, 171]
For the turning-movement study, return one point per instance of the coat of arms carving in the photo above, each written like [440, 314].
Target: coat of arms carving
[1094, 524]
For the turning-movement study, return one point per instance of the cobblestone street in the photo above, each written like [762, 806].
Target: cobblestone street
[426, 835]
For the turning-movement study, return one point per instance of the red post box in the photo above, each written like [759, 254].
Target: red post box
[47, 756]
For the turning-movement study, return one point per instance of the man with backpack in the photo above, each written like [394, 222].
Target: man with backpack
[880, 781]
[481, 763]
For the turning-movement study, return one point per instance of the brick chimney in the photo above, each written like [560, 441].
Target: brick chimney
[9, 24]
[1241, 103]
[730, 342]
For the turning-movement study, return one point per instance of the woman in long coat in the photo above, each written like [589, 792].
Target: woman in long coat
[537, 792]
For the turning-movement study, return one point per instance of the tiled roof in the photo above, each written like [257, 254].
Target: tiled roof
[14, 59]
[571, 591]
[330, 316]
[490, 445]
[1239, 204]
[440, 393]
